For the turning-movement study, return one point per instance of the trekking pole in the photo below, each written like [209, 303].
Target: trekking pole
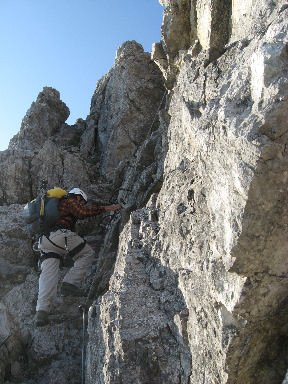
[83, 308]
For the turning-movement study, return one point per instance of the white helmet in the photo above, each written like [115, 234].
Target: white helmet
[78, 191]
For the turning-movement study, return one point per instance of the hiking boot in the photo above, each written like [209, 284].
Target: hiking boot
[68, 289]
[41, 318]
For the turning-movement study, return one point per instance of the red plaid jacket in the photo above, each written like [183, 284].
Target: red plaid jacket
[71, 210]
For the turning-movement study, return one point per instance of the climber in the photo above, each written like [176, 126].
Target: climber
[60, 241]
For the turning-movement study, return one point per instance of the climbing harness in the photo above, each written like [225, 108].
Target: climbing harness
[66, 260]
[74, 251]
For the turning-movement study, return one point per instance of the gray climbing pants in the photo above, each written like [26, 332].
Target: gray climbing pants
[48, 280]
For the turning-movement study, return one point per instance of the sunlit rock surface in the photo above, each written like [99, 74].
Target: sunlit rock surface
[189, 282]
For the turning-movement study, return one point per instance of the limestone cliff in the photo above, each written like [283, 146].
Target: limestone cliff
[190, 281]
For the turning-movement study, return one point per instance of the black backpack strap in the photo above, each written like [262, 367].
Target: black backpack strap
[49, 255]
[77, 249]
[64, 261]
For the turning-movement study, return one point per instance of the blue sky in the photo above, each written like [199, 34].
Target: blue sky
[65, 44]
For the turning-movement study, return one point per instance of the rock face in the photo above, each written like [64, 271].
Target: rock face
[123, 108]
[44, 118]
[89, 155]
[190, 280]
[198, 292]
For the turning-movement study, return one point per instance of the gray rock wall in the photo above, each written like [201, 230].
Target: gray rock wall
[201, 269]
[66, 156]
[189, 284]
[123, 107]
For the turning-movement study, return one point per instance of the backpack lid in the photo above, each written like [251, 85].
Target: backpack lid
[56, 192]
